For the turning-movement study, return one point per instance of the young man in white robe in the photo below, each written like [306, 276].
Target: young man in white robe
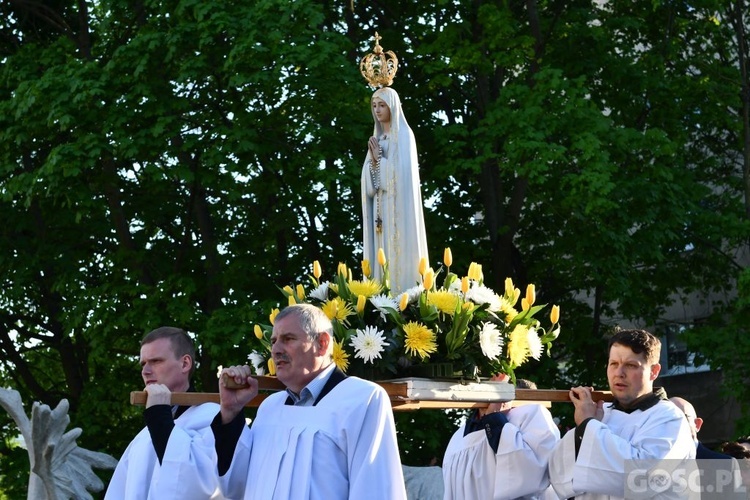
[641, 430]
[167, 362]
[500, 453]
[328, 436]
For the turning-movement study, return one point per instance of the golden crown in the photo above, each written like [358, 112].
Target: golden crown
[378, 67]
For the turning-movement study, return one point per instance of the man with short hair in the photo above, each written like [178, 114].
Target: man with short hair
[695, 422]
[328, 436]
[719, 473]
[592, 461]
[501, 452]
[167, 362]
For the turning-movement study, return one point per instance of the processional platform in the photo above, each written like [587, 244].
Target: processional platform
[412, 393]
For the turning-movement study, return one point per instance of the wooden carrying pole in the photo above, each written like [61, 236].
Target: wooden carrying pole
[408, 394]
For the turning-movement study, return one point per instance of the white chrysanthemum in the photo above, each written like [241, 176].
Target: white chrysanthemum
[368, 344]
[482, 295]
[321, 292]
[258, 362]
[455, 286]
[491, 340]
[383, 303]
[535, 344]
[414, 292]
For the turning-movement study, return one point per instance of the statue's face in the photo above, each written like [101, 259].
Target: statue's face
[381, 110]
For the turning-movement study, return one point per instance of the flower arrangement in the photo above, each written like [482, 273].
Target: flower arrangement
[459, 323]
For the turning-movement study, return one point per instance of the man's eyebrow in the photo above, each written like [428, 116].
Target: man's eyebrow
[283, 334]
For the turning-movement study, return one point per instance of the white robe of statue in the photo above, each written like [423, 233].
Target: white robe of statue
[610, 447]
[403, 237]
[471, 469]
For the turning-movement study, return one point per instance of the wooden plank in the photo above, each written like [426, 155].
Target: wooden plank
[266, 383]
[410, 405]
[420, 389]
[516, 403]
[557, 396]
[395, 389]
[412, 394]
[138, 398]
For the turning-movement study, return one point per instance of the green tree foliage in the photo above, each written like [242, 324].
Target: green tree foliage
[173, 162]
[724, 343]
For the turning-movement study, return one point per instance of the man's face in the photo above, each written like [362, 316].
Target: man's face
[630, 375]
[298, 359]
[160, 366]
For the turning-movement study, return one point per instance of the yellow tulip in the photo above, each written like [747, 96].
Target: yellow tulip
[465, 284]
[291, 300]
[516, 296]
[473, 272]
[316, 269]
[554, 314]
[342, 269]
[361, 301]
[404, 302]
[531, 294]
[509, 287]
[288, 290]
[271, 367]
[447, 257]
[525, 304]
[429, 278]
[422, 266]
[366, 271]
[480, 274]
[381, 256]
[258, 332]
[300, 291]
[273, 314]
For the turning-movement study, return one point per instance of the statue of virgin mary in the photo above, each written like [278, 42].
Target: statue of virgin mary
[392, 210]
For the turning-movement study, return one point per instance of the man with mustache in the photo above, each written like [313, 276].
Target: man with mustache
[328, 436]
[640, 429]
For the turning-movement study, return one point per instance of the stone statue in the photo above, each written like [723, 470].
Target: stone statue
[392, 210]
[60, 470]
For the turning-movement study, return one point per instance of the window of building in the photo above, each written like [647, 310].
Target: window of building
[676, 359]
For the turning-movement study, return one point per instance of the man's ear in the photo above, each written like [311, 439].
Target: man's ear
[187, 363]
[324, 340]
[698, 423]
[655, 369]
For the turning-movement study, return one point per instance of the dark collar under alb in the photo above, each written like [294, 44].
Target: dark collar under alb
[643, 403]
